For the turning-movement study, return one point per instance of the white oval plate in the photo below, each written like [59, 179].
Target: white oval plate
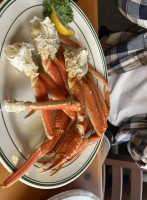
[19, 137]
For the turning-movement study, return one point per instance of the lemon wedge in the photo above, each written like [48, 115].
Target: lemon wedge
[61, 27]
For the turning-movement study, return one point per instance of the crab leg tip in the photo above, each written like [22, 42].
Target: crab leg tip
[42, 172]
[45, 170]
[30, 114]
[57, 170]
[53, 173]
[57, 162]
[43, 166]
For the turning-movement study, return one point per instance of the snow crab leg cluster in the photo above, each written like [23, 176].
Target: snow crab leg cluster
[69, 82]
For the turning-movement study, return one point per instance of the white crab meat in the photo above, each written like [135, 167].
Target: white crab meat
[15, 106]
[45, 37]
[20, 56]
[76, 62]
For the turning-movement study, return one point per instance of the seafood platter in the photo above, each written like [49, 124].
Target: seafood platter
[54, 94]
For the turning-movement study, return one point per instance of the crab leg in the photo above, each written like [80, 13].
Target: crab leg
[98, 104]
[51, 87]
[61, 66]
[74, 136]
[61, 121]
[37, 154]
[67, 148]
[46, 115]
[52, 70]
[23, 61]
[61, 128]
[57, 142]
[60, 53]
[64, 104]
[54, 91]
[70, 126]
[84, 144]
[57, 170]
[49, 39]
[43, 105]
[102, 102]
[30, 114]
[78, 95]
[68, 41]
[102, 80]
[82, 90]
[61, 117]
[92, 108]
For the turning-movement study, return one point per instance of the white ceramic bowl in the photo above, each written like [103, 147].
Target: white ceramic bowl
[75, 195]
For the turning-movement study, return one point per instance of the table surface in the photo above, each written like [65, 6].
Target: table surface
[91, 179]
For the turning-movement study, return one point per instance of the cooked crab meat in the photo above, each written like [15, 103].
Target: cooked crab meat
[15, 106]
[76, 62]
[45, 37]
[20, 56]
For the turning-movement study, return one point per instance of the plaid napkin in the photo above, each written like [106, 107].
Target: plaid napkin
[134, 10]
[134, 131]
[126, 51]
[137, 146]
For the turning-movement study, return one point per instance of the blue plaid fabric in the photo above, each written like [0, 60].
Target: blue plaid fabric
[125, 51]
[134, 131]
[134, 10]
[137, 146]
[138, 122]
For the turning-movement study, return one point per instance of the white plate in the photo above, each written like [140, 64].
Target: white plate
[19, 137]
